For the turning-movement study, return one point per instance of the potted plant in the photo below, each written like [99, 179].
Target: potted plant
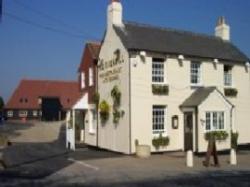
[216, 135]
[160, 141]
[104, 110]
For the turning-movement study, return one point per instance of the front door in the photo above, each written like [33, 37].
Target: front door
[188, 131]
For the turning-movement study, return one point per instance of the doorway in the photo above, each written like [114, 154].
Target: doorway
[188, 131]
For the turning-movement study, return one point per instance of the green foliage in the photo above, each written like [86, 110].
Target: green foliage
[234, 140]
[104, 111]
[160, 141]
[96, 98]
[116, 95]
[1, 103]
[216, 135]
[230, 92]
[160, 89]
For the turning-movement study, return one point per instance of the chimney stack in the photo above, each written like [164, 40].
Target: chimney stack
[222, 30]
[115, 13]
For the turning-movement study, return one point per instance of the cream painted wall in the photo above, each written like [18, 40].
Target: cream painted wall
[178, 78]
[89, 134]
[111, 136]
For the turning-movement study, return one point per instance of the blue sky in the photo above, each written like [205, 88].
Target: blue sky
[27, 51]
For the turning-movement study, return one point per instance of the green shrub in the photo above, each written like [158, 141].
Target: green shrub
[160, 141]
[116, 95]
[160, 89]
[230, 92]
[234, 140]
[104, 111]
[216, 135]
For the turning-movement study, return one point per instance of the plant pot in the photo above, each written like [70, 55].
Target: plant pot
[143, 151]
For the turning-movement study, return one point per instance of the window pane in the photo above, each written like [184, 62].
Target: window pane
[208, 121]
[195, 73]
[158, 118]
[157, 71]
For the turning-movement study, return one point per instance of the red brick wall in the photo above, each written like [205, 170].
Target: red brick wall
[88, 61]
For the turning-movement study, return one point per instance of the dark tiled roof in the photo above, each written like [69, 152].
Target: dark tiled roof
[143, 37]
[28, 91]
[197, 97]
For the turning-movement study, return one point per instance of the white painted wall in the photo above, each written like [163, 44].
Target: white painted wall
[111, 136]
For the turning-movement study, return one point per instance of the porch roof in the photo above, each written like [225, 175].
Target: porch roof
[197, 97]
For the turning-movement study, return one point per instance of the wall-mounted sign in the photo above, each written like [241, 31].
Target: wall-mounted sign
[110, 70]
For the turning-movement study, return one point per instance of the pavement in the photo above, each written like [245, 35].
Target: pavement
[92, 167]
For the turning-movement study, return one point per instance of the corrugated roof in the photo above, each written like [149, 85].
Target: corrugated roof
[144, 37]
[28, 91]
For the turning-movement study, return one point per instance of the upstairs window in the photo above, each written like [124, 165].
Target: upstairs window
[158, 70]
[91, 77]
[195, 73]
[82, 80]
[227, 75]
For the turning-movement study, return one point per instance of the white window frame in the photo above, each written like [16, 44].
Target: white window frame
[159, 122]
[91, 76]
[82, 80]
[92, 121]
[35, 113]
[23, 113]
[195, 70]
[228, 76]
[158, 71]
[10, 113]
[214, 126]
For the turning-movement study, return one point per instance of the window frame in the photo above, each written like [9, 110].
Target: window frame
[157, 126]
[22, 113]
[10, 113]
[228, 76]
[91, 76]
[215, 126]
[92, 121]
[158, 71]
[198, 74]
[83, 84]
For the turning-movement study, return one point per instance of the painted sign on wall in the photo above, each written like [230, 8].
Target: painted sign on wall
[111, 69]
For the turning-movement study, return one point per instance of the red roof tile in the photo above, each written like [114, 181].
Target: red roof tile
[28, 92]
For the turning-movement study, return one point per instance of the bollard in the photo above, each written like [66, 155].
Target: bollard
[190, 160]
[233, 159]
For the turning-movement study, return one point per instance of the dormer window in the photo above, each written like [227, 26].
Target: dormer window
[227, 75]
[158, 70]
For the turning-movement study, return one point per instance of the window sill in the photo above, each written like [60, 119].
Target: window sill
[92, 132]
[196, 85]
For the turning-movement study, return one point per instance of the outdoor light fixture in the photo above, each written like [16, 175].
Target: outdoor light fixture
[143, 55]
[247, 66]
[175, 122]
[216, 61]
[180, 59]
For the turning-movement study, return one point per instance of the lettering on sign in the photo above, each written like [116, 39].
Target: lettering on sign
[111, 69]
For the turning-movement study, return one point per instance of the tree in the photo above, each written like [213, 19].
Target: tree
[1, 103]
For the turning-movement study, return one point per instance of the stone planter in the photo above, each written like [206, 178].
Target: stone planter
[143, 151]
